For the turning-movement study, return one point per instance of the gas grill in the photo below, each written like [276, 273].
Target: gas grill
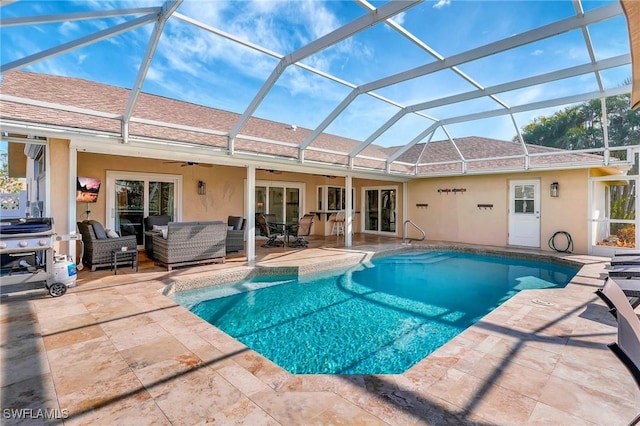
[26, 252]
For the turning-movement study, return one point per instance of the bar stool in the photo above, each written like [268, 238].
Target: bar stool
[338, 223]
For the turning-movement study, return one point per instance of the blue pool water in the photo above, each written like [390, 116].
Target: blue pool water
[379, 318]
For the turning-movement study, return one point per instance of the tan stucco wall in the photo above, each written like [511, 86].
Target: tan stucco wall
[225, 185]
[455, 217]
[448, 217]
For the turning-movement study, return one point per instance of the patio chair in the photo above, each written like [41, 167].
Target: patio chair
[99, 245]
[627, 348]
[631, 289]
[338, 222]
[304, 230]
[271, 232]
[235, 234]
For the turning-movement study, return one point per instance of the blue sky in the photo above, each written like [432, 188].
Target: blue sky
[193, 65]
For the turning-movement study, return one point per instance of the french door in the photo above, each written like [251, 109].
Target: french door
[133, 196]
[380, 209]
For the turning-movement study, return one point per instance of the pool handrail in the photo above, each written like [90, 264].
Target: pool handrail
[407, 241]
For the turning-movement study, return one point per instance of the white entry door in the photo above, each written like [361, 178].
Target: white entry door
[524, 213]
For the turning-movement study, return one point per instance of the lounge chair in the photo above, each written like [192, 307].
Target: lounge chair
[304, 230]
[625, 260]
[630, 288]
[627, 348]
[625, 270]
[271, 232]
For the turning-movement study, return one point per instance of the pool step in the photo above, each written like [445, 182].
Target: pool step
[422, 258]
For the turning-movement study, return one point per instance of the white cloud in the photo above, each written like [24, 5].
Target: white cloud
[537, 52]
[399, 18]
[81, 58]
[441, 3]
[69, 28]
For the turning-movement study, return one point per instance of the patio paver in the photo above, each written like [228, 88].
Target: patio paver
[115, 350]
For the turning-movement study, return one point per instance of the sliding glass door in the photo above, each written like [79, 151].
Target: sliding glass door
[133, 196]
[282, 200]
[380, 211]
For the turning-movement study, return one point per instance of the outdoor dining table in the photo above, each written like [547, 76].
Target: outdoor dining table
[286, 228]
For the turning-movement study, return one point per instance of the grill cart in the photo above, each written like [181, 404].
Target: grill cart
[26, 252]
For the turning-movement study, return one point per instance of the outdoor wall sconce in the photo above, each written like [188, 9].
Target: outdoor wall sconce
[202, 188]
[555, 189]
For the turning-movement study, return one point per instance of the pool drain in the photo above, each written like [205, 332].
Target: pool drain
[542, 302]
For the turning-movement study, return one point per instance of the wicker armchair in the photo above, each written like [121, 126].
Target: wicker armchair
[98, 249]
[190, 243]
[235, 236]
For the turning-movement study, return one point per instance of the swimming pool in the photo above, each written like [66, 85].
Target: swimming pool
[377, 318]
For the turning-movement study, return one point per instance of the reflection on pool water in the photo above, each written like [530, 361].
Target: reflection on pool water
[378, 318]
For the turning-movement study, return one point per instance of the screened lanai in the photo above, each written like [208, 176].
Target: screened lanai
[357, 85]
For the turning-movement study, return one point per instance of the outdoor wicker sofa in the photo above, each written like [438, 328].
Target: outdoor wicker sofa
[98, 247]
[190, 243]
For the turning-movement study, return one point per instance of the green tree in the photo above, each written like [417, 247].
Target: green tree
[580, 126]
[8, 185]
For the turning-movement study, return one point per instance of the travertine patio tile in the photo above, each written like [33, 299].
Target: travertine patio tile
[25, 366]
[262, 368]
[339, 384]
[608, 379]
[486, 400]
[193, 396]
[211, 356]
[157, 363]
[385, 397]
[73, 336]
[35, 392]
[16, 331]
[105, 397]
[59, 307]
[126, 338]
[425, 374]
[243, 380]
[588, 403]
[157, 350]
[132, 411]
[546, 415]
[128, 322]
[502, 372]
[312, 408]
[84, 363]
[23, 347]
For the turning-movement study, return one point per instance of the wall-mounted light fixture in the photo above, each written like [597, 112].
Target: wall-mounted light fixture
[554, 189]
[202, 188]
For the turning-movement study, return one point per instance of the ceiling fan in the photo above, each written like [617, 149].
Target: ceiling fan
[275, 172]
[188, 163]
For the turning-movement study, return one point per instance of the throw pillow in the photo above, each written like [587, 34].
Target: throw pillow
[98, 230]
[164, 232]
[112, 234]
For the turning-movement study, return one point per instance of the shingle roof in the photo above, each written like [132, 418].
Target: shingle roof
[98, 107]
